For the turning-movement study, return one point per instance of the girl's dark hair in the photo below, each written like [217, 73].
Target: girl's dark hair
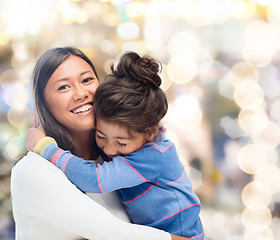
[131, 94]
[44, 68]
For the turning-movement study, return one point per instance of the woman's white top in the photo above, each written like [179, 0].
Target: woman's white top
[47, 206]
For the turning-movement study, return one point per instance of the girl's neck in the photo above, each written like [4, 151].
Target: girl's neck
[83, 143]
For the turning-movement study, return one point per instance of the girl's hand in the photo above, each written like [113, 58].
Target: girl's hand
[33, 136]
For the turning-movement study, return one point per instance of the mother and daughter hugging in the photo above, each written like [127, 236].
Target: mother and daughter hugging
[105, 139]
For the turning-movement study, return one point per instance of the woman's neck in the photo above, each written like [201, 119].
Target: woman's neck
[83, 143]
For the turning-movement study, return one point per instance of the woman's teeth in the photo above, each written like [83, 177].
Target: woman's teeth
[82, 109]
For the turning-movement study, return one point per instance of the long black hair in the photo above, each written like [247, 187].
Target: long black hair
[44, 68]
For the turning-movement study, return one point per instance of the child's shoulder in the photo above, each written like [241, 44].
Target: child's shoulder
[161, 145]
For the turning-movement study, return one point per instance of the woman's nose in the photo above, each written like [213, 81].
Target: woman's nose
[80, 93]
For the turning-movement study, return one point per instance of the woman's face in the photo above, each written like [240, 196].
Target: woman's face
[69, 94]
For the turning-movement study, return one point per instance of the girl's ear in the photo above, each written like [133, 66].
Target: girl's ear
[151, 136]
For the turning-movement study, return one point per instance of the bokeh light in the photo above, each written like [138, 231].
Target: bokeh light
[253, 121]
[270, 176]
[16, 96]
[135, 9]
[269, 137]
[4, 39]
[181, 70]
[257, 218]
[263, 234]
[128, 31]
[19, 20]
[186, 113]
[242, 71]
[14, 148]
[242, 9]
[183, 44]
[7, 77]
[249, 95]
[251, 158]
[166, 81]
[262, 43]
[16, 117]
[252, 196]
[275, 110]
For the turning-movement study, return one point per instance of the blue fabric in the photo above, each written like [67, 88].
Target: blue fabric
[151, 183]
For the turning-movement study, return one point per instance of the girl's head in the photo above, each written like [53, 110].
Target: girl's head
[64, 85]
[131, 96]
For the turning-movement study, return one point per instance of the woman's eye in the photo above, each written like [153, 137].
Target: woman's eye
[63, 87]
[86, 80]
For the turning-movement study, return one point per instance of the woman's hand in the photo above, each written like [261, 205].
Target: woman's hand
[33, 136]
[175, 237]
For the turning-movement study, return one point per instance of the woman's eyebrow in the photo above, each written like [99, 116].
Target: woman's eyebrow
[66, 78]
[61, 80]
[83, 73]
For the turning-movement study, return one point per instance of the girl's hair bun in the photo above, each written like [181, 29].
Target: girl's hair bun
[131, 95]
[141, 69]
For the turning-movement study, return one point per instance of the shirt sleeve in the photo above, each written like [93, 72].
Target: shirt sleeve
[122, 172]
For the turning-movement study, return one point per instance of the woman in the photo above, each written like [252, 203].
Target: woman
[45, 204]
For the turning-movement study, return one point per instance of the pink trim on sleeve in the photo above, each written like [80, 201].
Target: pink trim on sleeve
[135, 170]
[140, 194]
[56, 155]
[198, 235]
[66, 163]
[177, 179]
[194, 204]
[163, 149]
[98, 180]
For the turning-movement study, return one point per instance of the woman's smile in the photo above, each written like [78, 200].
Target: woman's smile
[83, 110]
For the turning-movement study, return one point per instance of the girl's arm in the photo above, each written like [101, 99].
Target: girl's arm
[123, 172]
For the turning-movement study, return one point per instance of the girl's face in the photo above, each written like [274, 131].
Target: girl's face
[69, 94]
[114, 139]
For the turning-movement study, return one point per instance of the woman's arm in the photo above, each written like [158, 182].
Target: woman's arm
[42, 191]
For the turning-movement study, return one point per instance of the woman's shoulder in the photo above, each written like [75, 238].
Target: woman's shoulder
[35, 172]
[30, 159]
[32, 164]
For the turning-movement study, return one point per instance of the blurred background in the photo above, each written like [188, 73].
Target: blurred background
[221, 75]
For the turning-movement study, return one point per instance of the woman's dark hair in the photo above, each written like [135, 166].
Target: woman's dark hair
[131, 94]
[44, 68]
